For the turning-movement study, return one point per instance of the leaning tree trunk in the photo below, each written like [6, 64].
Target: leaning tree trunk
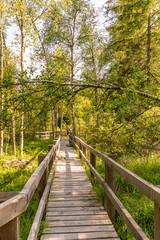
[1, 82]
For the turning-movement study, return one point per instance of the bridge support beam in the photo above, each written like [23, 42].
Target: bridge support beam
[10, 231]
[85, 151]
[110, 180]
[93, 162]
[156, 222]
[52, 160]
[43, 180]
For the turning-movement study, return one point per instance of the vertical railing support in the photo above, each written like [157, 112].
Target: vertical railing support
[52, 160]
[84, 150]
[93, 162]
[10, 231]
[70, 139]
[156, 222]
[80, 147]
[110, 180]
[43, 180]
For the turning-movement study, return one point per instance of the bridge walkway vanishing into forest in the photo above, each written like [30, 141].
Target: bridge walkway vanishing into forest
[73, 210]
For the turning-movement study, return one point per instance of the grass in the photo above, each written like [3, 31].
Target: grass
[15, 172]
[139, 206]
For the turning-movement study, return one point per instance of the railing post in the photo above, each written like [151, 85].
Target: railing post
[84, 150]
[53, 157]
[10, 231]
[43, 180]
[70, 138]
[110, 180]
[80, 147]
[93, 162]
[156, 222]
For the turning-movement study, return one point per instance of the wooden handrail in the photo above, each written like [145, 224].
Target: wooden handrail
[146, 188]
[13, 207]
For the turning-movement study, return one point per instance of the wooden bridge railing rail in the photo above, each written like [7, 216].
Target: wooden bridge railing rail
[12, 208]
[112, 203]
[45, 134]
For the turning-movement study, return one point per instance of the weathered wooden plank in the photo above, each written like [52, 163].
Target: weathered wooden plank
[76, 213]
[72, 198]
[79, 229]
[4, 196]
[97, 217]
[73, 236]
[78, 223]
[73, 204]
[10, 231]
[68, 209]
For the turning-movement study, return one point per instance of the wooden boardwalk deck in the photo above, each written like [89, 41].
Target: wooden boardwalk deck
[73, 211]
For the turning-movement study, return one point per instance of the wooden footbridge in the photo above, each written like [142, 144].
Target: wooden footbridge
[68, 200]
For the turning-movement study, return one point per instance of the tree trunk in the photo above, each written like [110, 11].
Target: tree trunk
[1, 82]
[72, 73]
[72, 101]
[22, 72]
[56, 121]
[7, 143]
[45, 121]
[53, 123]
[62, 117]
[73, 117]
[149, 46]
[21, 134]
[14, 134]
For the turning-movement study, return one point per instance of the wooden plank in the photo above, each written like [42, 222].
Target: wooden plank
[72, 204]
[77, 218]
[4, 196]
[71, 198]
[156, 222]
[73, 236]
[68, 209]
[12, 208]
[79, 229]
[79, 223]
[10, 231]
[76, 213]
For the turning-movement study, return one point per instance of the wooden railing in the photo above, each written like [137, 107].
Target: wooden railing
[12, 208]
[47, 134]
[112, 203]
